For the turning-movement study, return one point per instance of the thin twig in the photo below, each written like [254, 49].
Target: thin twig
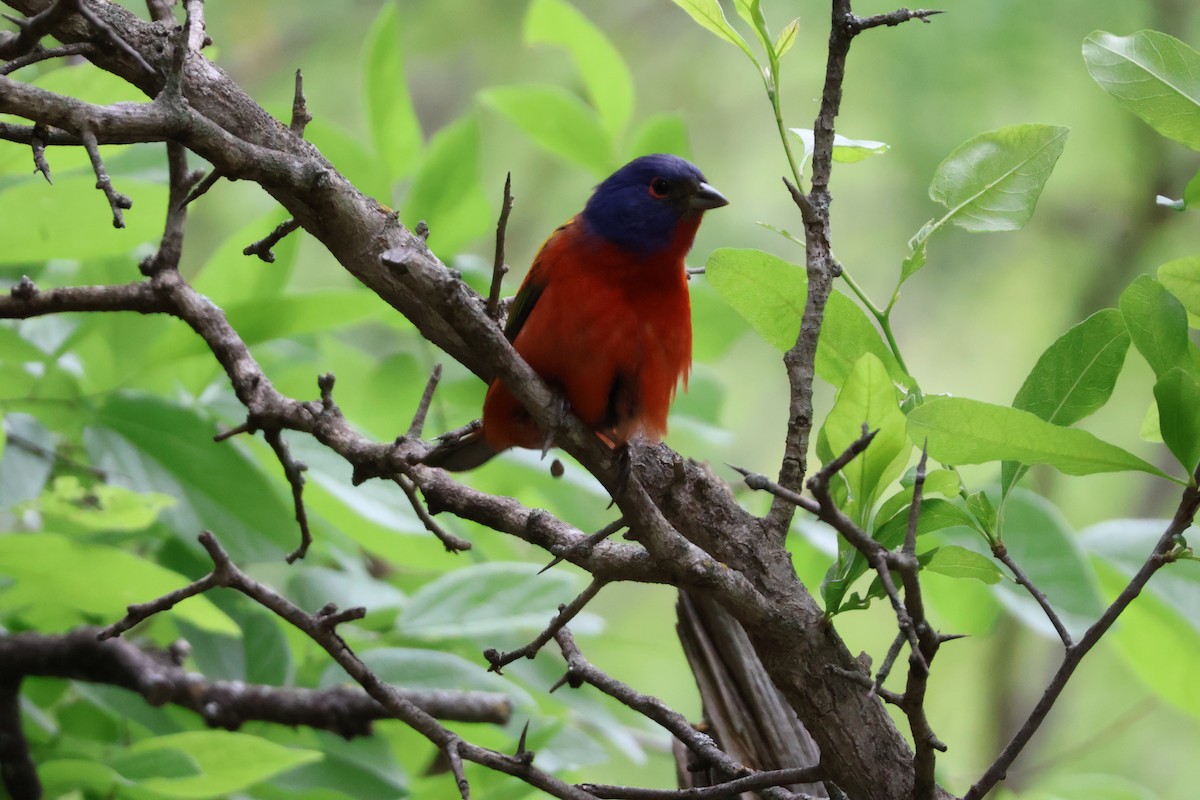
[202, 187]
[116, 200]
[40, 54]
[566, 613]
[1164, 552]
[300, 115]
[498, 267]
[32, 29]
[294, 471]
[889, 659]
[263, 247]
[452, 542]
[758, 781]
[891, 19]
[1000, 551]
[587, 544]
[454, 758]
[52, 455]
[40, 164]
[346, 711]
[81, 7]
[318, 627]
[418, 420]
[581, 671]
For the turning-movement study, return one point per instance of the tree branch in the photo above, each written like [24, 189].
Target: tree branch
[79, 655]
[1164, 552]
[320, 627]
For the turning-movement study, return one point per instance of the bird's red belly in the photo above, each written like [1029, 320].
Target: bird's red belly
[615, 354]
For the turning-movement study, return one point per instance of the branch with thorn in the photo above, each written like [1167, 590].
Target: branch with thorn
[321, 627]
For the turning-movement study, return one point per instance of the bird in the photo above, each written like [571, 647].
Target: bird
[603, 316]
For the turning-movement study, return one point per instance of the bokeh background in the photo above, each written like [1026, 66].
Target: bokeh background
[972, 323]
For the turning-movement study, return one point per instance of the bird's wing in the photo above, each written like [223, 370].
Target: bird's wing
[535, 282]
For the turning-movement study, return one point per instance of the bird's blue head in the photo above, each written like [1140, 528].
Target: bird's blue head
[640, 206]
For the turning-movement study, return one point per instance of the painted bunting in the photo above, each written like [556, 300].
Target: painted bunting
[603, 315]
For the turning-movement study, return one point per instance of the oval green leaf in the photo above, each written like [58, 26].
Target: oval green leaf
[992, 182]
[227, 762]
[48, 593]
[771, 293]
[1177, 395]
[962, 431]
[1074, 377]
[1157, 322]
[1154, 75]
[1181, 278]
[868, 397]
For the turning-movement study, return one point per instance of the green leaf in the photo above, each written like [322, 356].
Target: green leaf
[1177, 395]
[1159, 634]
[1074, 377]
[845, 151]
[959, 562]
[1181, 278]
[944, 482]
[1154, 75]
[751, 12]
[869, 398]
[604, 72]
[1039, 539]
[61, 776]
[148, 444]
[848, 334]
[785, 40]
[74, 222]
[992, 182]
[962, 431]
[228, 762]
[771, 293]
[661, 133]
[1157, 322]
[1157, 642]
[558, 121]
[936, 514]
[446, 191]
[48, 593]
[918, 253]
[486, 600]
[395, 129]
[980, 506]
[768, 291]
[70, 506]
[709, 15]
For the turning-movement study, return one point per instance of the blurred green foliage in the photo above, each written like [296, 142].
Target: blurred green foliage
[108, 469]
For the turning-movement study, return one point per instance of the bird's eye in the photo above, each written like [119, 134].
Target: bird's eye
[659, 187]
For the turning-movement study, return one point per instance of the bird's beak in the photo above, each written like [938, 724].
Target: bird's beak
[706, 197]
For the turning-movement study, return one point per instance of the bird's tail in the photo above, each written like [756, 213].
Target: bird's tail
[458, 452]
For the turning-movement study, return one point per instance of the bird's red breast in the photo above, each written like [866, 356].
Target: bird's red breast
[610, 329]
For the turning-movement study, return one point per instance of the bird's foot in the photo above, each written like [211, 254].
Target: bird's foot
[559, 408]
[623, 466]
